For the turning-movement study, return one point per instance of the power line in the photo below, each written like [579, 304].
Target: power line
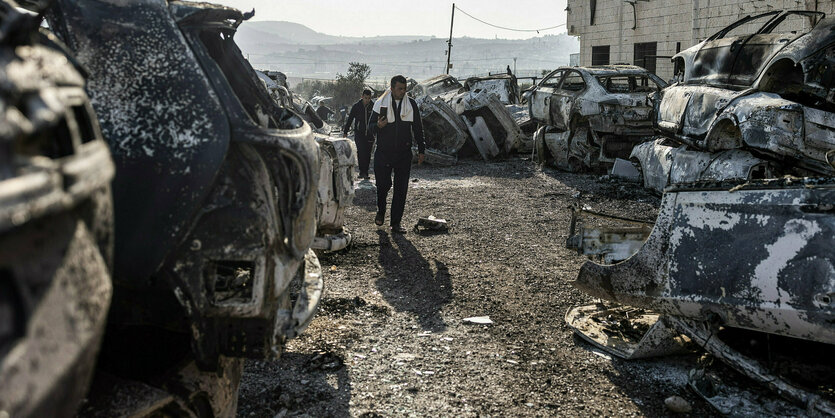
[506, 28]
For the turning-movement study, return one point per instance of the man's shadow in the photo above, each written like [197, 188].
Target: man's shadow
[410, 284]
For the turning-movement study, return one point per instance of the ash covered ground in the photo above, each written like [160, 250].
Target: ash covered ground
[389, 339]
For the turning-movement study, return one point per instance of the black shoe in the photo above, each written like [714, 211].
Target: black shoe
[397, 229]
[378, 220]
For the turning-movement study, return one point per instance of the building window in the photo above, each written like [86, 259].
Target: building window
[600, 55]
[592, 9]
[645, 55]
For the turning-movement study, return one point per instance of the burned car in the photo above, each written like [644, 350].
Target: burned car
[662, 162]
[215, 204]
[730, 264]
[604, 107]
[503, 85]
[436, 86]
[758, 84]
[337, 177]
[56, 225]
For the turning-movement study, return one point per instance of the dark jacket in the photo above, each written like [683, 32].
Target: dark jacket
[359, 117]
[395, 140]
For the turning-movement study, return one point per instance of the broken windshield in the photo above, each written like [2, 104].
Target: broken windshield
[628, 84]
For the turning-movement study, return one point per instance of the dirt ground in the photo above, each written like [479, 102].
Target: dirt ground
[389, 339]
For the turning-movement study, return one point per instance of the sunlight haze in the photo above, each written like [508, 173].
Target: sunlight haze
[430, 18]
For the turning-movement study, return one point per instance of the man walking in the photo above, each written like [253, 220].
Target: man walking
[397, 124]
[363, 137]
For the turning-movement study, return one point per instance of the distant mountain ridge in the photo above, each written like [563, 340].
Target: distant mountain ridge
[300, 51]
[278, 31]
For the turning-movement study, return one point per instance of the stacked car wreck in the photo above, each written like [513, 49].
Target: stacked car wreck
[743, 241]
[473, 119]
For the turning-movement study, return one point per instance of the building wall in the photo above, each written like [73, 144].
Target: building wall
[667, 22]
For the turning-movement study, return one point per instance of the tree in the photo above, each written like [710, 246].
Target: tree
[344, 91]
[348, 88]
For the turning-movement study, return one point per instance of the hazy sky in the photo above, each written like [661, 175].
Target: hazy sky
[415, 17]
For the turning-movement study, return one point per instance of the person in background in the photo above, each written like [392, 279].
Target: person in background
[359, 116]
[396, 120]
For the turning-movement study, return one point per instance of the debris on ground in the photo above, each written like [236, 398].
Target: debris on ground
[480, 320]
[431, 224]
[678, 405]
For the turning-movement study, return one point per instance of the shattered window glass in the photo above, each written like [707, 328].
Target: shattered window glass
[628, 84]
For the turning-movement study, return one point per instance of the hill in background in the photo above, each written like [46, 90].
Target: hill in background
[301, 52]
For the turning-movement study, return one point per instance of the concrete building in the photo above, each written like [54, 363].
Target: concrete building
[648, 32]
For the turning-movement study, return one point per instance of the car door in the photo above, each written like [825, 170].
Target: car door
[540, 101]
[565, 98]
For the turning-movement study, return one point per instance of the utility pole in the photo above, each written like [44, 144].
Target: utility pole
[514, 65]
[449, 42]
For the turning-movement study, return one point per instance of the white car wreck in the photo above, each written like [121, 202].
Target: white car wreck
[603, 107]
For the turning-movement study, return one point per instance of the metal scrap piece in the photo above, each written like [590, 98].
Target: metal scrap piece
[703, 335]
[627, 332]
[431, 224]
[607, 243]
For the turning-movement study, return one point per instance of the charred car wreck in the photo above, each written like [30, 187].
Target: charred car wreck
[337, 164]
[753, 85]
[214, 199]
[56, 225]
[782, 287]
[741, 251]
[468, 120]
[594, 114]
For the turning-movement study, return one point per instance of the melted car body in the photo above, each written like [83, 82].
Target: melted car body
[606, 106]
[763, 89]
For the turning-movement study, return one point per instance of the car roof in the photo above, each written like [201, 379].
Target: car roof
[436, 79]
[598, 70]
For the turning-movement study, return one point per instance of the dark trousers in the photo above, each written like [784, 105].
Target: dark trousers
[383, 170]
[363, 152]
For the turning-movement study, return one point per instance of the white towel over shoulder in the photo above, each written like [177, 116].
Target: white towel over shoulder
[407, 113]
